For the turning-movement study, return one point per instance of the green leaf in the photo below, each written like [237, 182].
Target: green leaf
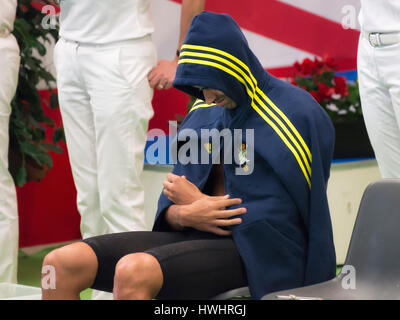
[58, 135]
[28, 122]
[53, 147]
[39, 156]
[48, 122]
[46, 159]
[54, 101]
[21, 177]
[40, 48]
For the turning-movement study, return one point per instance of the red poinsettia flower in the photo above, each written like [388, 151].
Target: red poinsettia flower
[297, 67]
[330, 63]
[333, 93]
[316, 96]
[341, 86]
[307, 67]
[325, 91]
[318, 66]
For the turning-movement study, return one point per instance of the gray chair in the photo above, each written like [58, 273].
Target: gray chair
[372, 266]
[235, 294]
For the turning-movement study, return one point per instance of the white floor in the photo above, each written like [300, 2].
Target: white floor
[10, 291]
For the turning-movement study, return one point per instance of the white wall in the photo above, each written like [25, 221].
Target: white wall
[345, 189]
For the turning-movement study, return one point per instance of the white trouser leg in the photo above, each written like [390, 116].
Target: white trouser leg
[105, 112]
[379, 79]
[121, 102]
[78, 122]
[9, 66]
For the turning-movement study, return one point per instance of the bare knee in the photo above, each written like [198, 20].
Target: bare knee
[68, 270]
[137, 276]
[55, 266]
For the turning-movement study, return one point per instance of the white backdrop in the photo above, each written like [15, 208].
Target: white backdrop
[271, 53]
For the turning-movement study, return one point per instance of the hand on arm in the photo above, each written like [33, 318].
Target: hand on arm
[180, 190]
[207, 214]
[163, 74]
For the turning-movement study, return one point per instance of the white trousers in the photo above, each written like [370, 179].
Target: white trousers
[379, 80]
[105, 103]
[9, 66]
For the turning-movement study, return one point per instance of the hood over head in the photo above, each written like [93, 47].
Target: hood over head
[216, 55]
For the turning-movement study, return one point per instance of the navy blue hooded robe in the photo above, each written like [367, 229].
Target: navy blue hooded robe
[285, 238]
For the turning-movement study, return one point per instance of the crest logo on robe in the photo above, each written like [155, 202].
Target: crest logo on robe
[242, 156]
[208, 147]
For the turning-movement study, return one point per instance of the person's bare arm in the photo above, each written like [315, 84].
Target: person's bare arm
[172, 217]
[163, 74]
[190, 8]
[206, 214]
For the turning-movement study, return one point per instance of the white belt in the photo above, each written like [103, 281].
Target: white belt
[108, 44]
[377, 39]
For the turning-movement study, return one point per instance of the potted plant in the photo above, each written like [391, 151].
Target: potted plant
[30, 146]
[340, 98]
